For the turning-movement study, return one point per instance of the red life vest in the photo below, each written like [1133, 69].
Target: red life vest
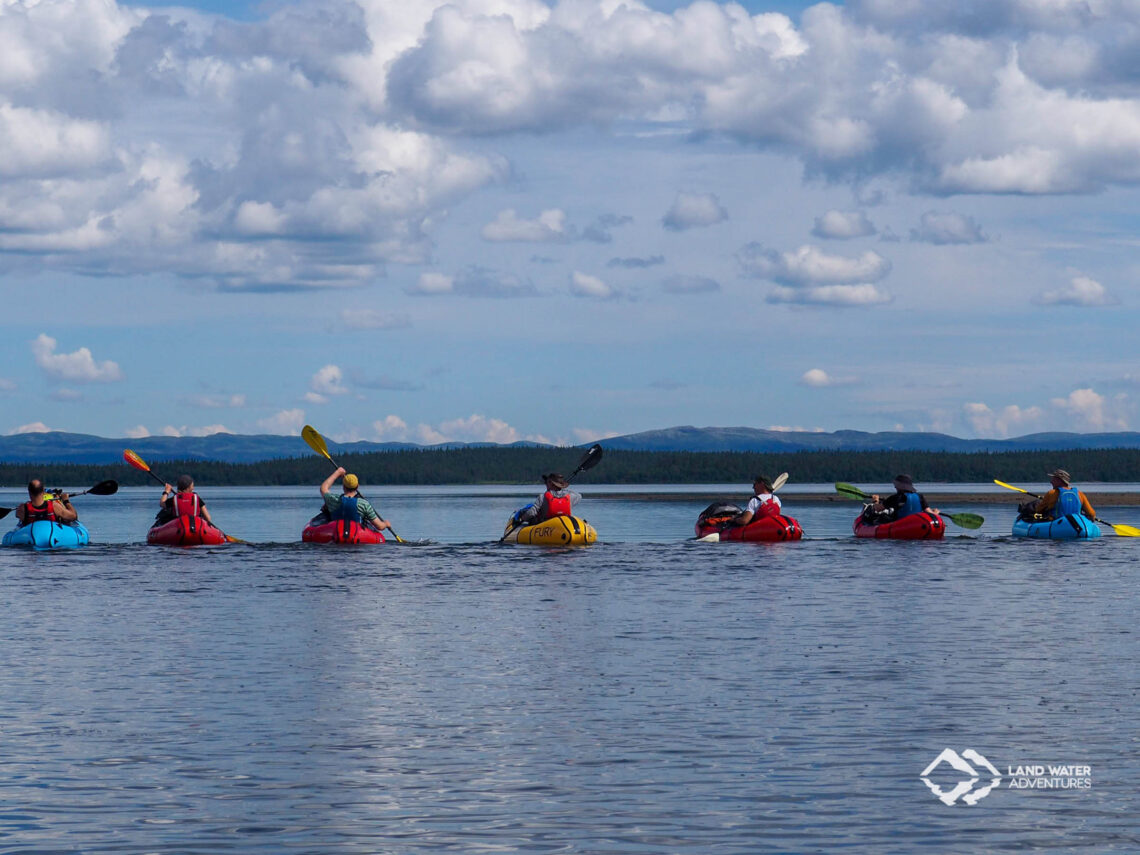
[186, 504]
[32, 513]
[553, 506]
[769, 507]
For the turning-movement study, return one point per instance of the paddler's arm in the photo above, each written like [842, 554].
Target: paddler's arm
[63, 510]
[1087, 507]
[328, 482]
[203, 512]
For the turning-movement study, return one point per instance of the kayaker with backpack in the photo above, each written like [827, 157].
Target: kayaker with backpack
[1062, 501]
[905, 502]
[764, 503]
[181, 503]
[350, 505]
[57, 509]
[556, 501]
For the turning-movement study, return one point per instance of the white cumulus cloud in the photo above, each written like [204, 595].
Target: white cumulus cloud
[33, 427]
[819, 378]
[692, 210]
[809, 266]
[550, 225]
[79, 366]
[286, 422]
[326, 383]
[1081, 291]
[941, 228]
[843, 225]
[585, 285]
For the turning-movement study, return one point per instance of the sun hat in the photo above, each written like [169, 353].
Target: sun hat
[555, 481]
[903, 482]
[1062, 475]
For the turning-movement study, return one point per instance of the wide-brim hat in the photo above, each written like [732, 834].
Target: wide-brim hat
[556, 481]
[904, 482]
[1062, 475]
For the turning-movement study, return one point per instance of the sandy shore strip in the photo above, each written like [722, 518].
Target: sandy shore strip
[936, 499]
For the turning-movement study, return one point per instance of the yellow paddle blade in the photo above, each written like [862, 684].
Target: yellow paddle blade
[135, 460]
[1010, 487]
[1124, 530]
[315, 441]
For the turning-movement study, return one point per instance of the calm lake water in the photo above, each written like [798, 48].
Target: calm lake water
[646, 695]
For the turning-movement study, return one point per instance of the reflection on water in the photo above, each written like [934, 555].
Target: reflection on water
[646, 695]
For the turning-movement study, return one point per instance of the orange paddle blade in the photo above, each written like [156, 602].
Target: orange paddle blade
[135, 461]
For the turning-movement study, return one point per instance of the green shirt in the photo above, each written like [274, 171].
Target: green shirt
[365, 508]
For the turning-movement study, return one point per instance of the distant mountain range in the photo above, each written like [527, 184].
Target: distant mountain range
[58, 447]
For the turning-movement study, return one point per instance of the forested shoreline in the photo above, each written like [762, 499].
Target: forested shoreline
[523, 466]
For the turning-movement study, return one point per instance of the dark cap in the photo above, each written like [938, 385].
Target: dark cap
[556, 481]
[903, 482]
[185, 482]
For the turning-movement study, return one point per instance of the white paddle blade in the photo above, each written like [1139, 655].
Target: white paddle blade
[780, 481]
[710, 538]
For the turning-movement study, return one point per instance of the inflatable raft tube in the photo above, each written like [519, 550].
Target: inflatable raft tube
[556, 531]
[765, 530]
[341, 532]
[1071, 527]
[924, 526]
[186, 531]
[43, 535]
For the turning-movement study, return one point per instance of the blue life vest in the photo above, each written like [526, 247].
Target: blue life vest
[912, 506]
[347, 510]
[1068, 502]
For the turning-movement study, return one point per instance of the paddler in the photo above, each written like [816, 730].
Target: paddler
[764, 503]
[905, 502]
[183, 503]
[350, 505]
[39, 507]
[557, 500]
[1062, 501]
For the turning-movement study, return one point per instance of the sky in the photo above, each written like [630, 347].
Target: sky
[502, 220]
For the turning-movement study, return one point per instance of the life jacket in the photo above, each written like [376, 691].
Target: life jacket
[555, 506]
[911, 505]
[186, 505]
[44, 512]
[347, 510]
[1068, 502]
[769, 507]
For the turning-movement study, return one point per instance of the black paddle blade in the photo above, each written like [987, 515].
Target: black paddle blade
[105, 488]
[5, 511]
[591, 459]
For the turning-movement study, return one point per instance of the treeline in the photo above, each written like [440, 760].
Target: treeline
[524, 465]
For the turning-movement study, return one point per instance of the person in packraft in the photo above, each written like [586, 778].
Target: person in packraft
[905, 502]
[1062, 501]
[183, 502]
[764, 503]
[38, 507]
[557, 500]
[350, 505]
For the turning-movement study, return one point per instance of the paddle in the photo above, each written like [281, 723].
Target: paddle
[970, 521]
[714, 536]
[138, 463]
[317, 443]
[1121, 530]
[103, 488]
[589, 460]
